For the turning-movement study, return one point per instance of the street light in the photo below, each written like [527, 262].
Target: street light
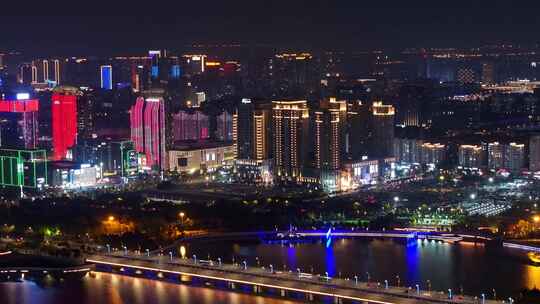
[170, 255]
[183, 252]
[536, 218]
[355, 280]
[125, 250]
[181, 215]
[473, 196]
[245, 265]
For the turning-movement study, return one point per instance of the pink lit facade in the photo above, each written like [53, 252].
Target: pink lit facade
[190, 126]
[148, 130]
[24, 113]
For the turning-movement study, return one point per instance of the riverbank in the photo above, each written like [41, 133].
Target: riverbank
[16, 266]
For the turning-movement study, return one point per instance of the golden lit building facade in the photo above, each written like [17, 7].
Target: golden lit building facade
[290, 121]
[383, 129]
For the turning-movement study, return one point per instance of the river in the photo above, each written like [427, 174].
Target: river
[473, 268]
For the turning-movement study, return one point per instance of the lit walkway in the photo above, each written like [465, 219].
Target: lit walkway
[263, 280]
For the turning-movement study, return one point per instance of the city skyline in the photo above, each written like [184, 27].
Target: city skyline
[270, 152]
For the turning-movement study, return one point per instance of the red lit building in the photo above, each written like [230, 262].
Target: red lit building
[19, 119]
[147, 118]
[64, 120]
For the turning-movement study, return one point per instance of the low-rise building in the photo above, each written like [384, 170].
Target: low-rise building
[191, 157]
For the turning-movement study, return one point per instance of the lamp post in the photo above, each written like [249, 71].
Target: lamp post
[148, 252]
[245, 265]
[219, 261]
[385, 284]
[195, 259]
[355, 280]
[108, 248]
[368, 277]
[398, 279]
[181, 215]
[271, 268]
[450, 293]
[170, 255]
[125, 250]
[417, 289]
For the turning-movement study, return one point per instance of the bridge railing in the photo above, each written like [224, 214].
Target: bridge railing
[268, 272]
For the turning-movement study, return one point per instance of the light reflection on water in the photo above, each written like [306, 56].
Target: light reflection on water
[117, 289]
[470, 266]
[476, 268]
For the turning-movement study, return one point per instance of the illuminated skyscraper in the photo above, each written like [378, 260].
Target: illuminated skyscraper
[106, 77]
[514, 159]
[383, 129]
[19, 127]
[224, 127]
[534, 153]
[329, 131]
[471, 156]
[64, 120]
[23, 168]
[193, 125]
[432, 153]
[46, 70]
[495, 156]
[329, 134]
[34, 73]
[56, 70]
[290, 120]
[253, 129]
[148, 131]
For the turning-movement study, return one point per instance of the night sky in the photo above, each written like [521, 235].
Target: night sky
[319, 24]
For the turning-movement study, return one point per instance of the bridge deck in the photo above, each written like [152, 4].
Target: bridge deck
[289, 281]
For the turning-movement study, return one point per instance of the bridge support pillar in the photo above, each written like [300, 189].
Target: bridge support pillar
[338, 300]
[256, 289]
[231, 285]
[309, 297]
[283, 292]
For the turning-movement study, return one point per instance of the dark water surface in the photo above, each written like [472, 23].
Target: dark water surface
[474, 268]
